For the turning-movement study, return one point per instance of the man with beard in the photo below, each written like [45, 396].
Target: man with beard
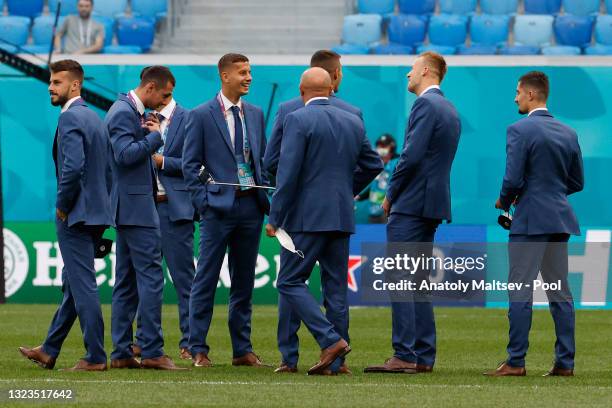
[80, 34]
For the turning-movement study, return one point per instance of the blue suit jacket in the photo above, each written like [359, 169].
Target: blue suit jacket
[171, 176]
[543, 167]
[420, 184]
[81, 152]
[208, 143]
[326, 159]
[274, 144]
[134, 185]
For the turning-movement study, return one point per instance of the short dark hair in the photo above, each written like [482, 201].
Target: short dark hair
[538, 81]
[91, 1]
[158, 74]
[71, 66]
[437, 61]
[326, 59]
[228, 59]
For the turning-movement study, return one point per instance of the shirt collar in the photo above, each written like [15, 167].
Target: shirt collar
[316, 98]
[227, 104]
[139, 105]
[538, 109]
[168, 109]
[67, 104]
[429, 88]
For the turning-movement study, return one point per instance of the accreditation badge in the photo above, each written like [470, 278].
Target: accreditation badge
[245, 176]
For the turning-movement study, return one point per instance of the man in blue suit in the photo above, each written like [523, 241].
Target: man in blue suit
[226, 135]
[418, 200]
[139, 279]
[326, 159]
[80, 153]
[543, 167]
[330, 62]
[288, 324]
[176, 215]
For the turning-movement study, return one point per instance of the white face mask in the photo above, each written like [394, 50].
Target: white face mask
[382, 151]
[286, 242]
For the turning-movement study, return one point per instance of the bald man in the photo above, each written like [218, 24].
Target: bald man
[325, 160]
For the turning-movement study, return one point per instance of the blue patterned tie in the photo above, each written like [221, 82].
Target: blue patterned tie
[238, 135]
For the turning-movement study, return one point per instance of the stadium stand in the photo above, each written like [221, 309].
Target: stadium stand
[581, 7]
[603, 36]
[111, 8]
[533, 30]
[68, 7]
[15, 30]
[457, 6]
[417, 6]
[362, 29]
[25, 8]
[136, 32]
[542, 6]
[376, 6]
[407, 30]
[448, 30]
[154, 9]
[42, 34]
[499, 6]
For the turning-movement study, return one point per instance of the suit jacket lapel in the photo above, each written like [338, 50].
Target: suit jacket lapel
[174, 125]
[251, 129]
[55, 151]
[215, 111]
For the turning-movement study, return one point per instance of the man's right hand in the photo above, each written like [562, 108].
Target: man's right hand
[152, 123]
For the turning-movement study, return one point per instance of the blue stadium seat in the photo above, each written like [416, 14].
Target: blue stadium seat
[376, 6]
[561, 50]
[42, 30]
[109, 27]
[351, 49]
[457, 6]
[520, 50]
[448, 29]
[15, 30]
[477, 50]
[574, 31]
[581, 7]
[599, 49]
[110, 8]
[417, 6]
[489, 29]
[156, 9]
[440, 49]
[609, 6]
[542, 6]
[407, 29]
[25, 8]
[392, 49]
[136, 31]
[122, 49]
[603, 29]
[499, 6]
[362, 29]
[68, 7]
[535, 30]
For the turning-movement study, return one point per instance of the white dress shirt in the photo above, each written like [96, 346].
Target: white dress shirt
[538, 109]
[229, 116]
[316, 98]
[167, 112]
[67, 104]
[428, 88]
[139, 105]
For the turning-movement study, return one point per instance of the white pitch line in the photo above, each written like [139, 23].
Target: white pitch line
[301, 384]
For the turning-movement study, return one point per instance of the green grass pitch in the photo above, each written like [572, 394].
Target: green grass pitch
[469, 342]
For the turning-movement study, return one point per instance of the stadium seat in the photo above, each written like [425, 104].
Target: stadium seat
[519, 50]
[68, 7]
[599, 49]
[351, 49]
[376, 6]
[535, 30]
[110, 8]
[109, 27]
[448, 29]
[489, 29]
[136, 31]
[42, 30]
[417, 6]
[392, 49]
[122, 49]
[561, 50]
[25, 8]
[603, 29]
[609, 6]
[542, 6]
[15, 30]
[574, 31]
[457, 6]
[362, 29]
[581, 7]
[407, 29]
[440, 49]
[477, 50]
[498, 6]
[156, 9]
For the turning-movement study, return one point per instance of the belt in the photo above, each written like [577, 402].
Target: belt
[244, 193]
[161, 198]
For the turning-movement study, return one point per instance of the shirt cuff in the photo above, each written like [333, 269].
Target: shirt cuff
[163, 162]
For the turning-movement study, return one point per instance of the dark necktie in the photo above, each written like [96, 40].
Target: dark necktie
[160, 117]
[238, 135]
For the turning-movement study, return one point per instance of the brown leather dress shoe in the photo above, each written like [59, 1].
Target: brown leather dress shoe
[160, 363]
[505, 370]
[84, 365]
[559, 372]
[328, 355]
[185, 354]
[249, 359]
[422, 368]
[125, 363]
[284, 368]
[201, 360]
[393, 365]
[344, 370]
[136, 350]
[38, 356]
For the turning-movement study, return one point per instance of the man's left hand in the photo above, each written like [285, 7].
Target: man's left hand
[386, 206]
[60, 214]
[270, 230]
[498, 204]
[159, 160]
